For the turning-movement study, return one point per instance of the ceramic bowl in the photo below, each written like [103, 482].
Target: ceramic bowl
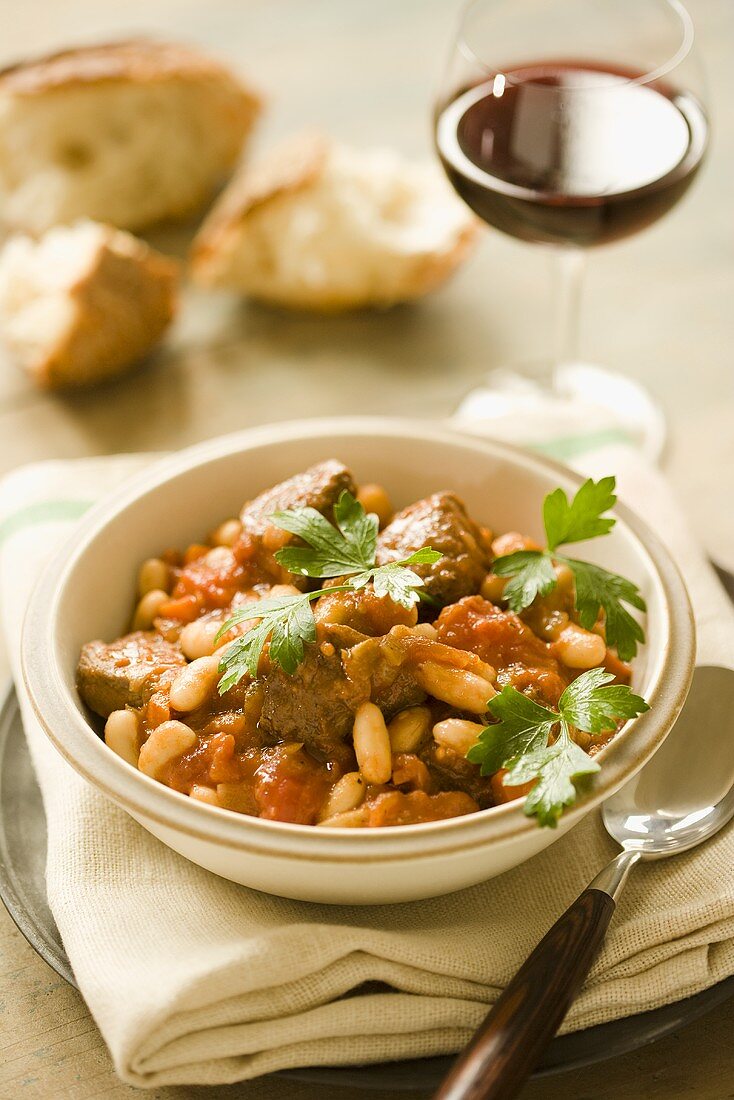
[87, 592]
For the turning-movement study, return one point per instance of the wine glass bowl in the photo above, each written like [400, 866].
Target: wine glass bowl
[588, 141]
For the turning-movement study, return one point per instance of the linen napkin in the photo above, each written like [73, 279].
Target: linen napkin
[194, 980]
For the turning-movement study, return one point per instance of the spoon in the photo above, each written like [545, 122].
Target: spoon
[682, 796]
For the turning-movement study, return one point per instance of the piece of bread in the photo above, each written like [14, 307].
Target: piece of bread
[320, 226]
[84, 303]
[129, 133]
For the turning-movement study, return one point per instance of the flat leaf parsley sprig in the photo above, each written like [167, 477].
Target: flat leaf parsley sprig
[531, 572]
[520, 740]
[346, 548]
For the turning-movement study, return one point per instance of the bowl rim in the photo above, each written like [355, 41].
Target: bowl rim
[146, 798]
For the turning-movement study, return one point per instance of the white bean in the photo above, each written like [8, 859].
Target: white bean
[204, 794]
[351, 819]
[579, 648]
[408, 728]
[220, 556]
[227, 533]
[149, 608]
[345, 795]
[373, 498]
[511, 542]
[194, 684]
[552, 625]
[372, 744]
[279, 590]
[493, 588]
[564, 578]
[197, 638]
[121, 734]
[166, 743]
[457, 734]
[460, 689]
[153, 573]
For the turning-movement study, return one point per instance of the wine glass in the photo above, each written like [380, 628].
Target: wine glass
[573, 124]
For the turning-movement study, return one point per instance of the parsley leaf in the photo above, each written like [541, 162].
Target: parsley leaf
[288, 622]
[531, 574]
[359, 527]
[523, 727]
[332, 550]
[519, 741]
[593, 704]
[291, 631]
[597, 589]
[582, 518]
[554, 770]
[395, 579]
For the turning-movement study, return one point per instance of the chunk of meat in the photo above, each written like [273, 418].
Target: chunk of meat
[363, 611]
[451, 770]
[127, 672]
[315, 706]
[318, 487]
[508, 644]
[440, 521]
[380, 670]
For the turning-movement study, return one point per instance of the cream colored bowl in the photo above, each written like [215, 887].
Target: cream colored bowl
[88, 589]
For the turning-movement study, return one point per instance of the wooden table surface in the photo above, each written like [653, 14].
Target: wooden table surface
[659, 307]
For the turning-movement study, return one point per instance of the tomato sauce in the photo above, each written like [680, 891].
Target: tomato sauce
[504, 641]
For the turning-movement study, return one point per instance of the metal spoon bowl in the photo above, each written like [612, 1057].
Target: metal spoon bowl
[685, 794]
[682, 797]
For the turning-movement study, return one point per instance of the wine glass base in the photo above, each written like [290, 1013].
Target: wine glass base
[563, 408]
[627, 402]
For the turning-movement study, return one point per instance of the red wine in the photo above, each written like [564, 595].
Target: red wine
[569, 153]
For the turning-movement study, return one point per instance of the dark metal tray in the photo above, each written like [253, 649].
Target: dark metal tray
[23, 890]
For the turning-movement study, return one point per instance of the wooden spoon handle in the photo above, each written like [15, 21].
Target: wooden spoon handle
[509, 1043]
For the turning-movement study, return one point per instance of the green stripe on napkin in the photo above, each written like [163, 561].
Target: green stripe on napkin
[45, 511]
[571, 446]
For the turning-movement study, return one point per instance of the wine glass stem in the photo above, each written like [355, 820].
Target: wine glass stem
[570, 264]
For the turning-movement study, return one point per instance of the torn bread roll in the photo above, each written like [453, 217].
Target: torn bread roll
[84, 303]
[320, 226]
[129, 133]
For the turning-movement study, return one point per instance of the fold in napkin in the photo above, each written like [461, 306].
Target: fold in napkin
[192, 979]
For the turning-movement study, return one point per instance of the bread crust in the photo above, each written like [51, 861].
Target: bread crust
[123, 306]
[137, 59]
